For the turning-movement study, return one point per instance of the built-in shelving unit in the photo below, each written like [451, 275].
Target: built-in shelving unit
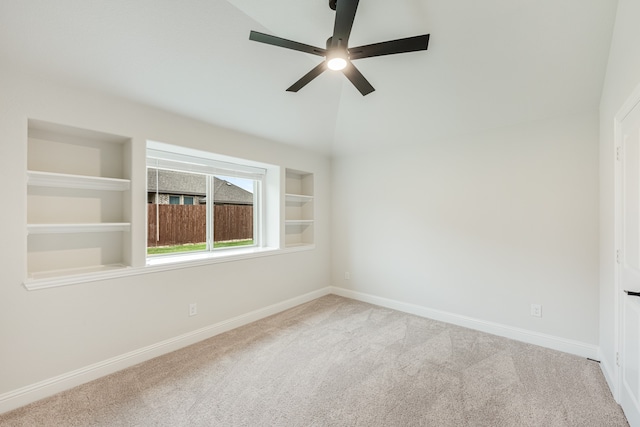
[299, 208]
[78, 201]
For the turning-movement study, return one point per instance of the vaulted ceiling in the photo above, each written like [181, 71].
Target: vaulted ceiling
[490, 63]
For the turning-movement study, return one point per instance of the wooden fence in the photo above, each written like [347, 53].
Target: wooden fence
[181, 224]
[232, 222]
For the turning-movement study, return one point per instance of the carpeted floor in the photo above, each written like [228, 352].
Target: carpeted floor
[339, 362]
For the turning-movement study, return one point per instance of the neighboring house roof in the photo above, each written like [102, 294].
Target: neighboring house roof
[226, 192]
[176, 182]
[172, 182]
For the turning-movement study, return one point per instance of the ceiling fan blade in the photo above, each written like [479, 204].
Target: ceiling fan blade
[315, 72]
[358, 80]
[289, 44]
[345, 14]
[409, 44]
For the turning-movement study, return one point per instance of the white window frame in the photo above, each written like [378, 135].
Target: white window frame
[165, 156]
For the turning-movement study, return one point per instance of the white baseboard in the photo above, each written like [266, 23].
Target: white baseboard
[549, 341]
[31, 393]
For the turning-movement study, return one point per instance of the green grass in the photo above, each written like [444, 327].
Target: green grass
[233, 243]
[177, 248]
[159, 250]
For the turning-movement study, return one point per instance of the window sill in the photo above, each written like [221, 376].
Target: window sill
[185, 260]
[162, 263]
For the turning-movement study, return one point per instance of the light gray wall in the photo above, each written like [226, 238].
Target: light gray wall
[478, 226]
[623, 76]
[50, 332]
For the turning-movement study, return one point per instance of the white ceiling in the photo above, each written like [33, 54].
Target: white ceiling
[490, 63]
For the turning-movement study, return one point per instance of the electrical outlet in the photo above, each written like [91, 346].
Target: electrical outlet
[536, 310]
[193, 309]
[347, 276]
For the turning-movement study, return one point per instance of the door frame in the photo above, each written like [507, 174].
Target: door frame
[618, 255]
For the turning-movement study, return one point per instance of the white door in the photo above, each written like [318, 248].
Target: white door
[630, 267]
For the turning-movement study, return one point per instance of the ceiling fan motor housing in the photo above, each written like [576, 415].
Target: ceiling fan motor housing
[329, 41]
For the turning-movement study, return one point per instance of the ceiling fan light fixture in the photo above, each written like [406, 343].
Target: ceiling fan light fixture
[337, 59]
[337, 63]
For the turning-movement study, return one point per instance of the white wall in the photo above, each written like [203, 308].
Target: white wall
[478, 226]
[623, 76]
[45, 333]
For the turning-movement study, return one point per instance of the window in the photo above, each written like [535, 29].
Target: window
[201, 204]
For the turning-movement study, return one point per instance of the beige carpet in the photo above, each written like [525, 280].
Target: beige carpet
[339, 362]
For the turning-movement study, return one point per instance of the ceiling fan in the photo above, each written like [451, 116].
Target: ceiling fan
[338, 55]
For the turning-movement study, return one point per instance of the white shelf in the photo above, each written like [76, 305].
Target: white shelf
[299, 222]
[61, 180]
[52, 275]
[300, 245]
[298, 198]
[78, 228]
[71, 276]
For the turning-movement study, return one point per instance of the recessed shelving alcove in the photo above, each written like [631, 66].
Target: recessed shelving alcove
[78, 201]
[299, 208]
